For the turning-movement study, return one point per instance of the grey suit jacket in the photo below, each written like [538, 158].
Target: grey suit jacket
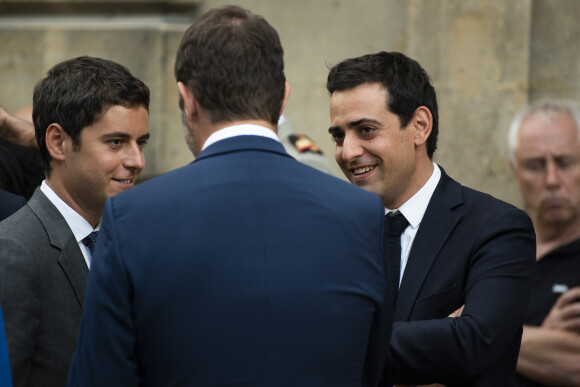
[43, 276]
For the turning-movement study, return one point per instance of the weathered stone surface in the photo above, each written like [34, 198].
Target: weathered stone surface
[487, 58]
[477, 53]
[146, 45]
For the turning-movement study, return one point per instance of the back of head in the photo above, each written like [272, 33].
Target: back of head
[407, 83]
[77, 92]
[232, 60]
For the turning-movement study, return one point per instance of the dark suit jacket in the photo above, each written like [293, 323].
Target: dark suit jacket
[10, 203]
[472, 250]
[245, 268]
[42, 283]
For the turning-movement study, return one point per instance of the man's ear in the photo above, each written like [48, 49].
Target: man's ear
[286, 96]
[189, 101]
[56, 141]
[422, 124]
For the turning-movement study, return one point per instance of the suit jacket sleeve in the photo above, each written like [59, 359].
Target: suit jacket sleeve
[453, 350]
[20, 300]
[105, 354]
[381, 324]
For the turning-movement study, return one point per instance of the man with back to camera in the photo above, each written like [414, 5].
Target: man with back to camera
[246, 267]
[91, 122]
[544, 141]
[458, 247]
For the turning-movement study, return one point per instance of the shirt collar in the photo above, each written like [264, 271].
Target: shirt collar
[78, 225]
[414, 208]
[239, 130]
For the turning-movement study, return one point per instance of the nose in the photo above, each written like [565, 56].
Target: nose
[552, 174]
[134, 158]
[351, 147]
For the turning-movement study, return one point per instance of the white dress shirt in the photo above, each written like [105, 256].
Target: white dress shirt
[413, 210]
[79, 226]
[240, 130]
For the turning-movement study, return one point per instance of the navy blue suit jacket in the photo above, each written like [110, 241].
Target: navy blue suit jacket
[10, 203]
[244, 268]
[474, 250]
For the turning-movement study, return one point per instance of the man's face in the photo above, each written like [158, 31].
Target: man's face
[548, 168]
[108, 160]
[372, 149]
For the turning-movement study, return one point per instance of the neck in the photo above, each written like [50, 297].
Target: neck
[423, 171]
[549, 238]
[202, 132]
[225, 124]
[91, 215]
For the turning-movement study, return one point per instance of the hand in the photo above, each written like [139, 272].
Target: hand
[565, 314]
[457, 313]
[16, 129]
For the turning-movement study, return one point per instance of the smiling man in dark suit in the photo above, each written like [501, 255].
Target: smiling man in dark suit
[91, 121]
[458, 247]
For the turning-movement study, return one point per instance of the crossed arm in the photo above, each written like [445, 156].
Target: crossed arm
[550, 353]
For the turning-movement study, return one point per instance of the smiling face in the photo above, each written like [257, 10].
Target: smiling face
[107, 161]
[547, 168]
[372, 149]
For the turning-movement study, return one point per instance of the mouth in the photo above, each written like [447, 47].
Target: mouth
[362, 170]
[553, 202]
[359, 174]
[124, 181]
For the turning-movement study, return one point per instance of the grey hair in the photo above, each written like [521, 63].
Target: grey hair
[547, 109]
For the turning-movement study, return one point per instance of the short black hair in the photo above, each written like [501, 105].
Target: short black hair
[408, 85]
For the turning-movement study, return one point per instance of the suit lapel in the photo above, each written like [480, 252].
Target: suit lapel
[436, 226]
[71, 259]
[74, 266]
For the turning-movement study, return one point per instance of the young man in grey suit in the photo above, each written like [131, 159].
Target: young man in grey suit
[91, 122]
[458, 247]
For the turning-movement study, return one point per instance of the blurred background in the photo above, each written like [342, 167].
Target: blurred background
[487, 58]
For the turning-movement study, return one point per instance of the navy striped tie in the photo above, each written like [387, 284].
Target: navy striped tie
[395, 224]
[90, 241]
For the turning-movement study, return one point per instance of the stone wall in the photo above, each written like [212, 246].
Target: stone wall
[487, 58]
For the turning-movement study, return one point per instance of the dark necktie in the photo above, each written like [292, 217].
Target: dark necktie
[395, 224]
[90, 241]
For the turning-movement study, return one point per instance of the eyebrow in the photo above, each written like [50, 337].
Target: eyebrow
[123, 135]
[353, 124]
